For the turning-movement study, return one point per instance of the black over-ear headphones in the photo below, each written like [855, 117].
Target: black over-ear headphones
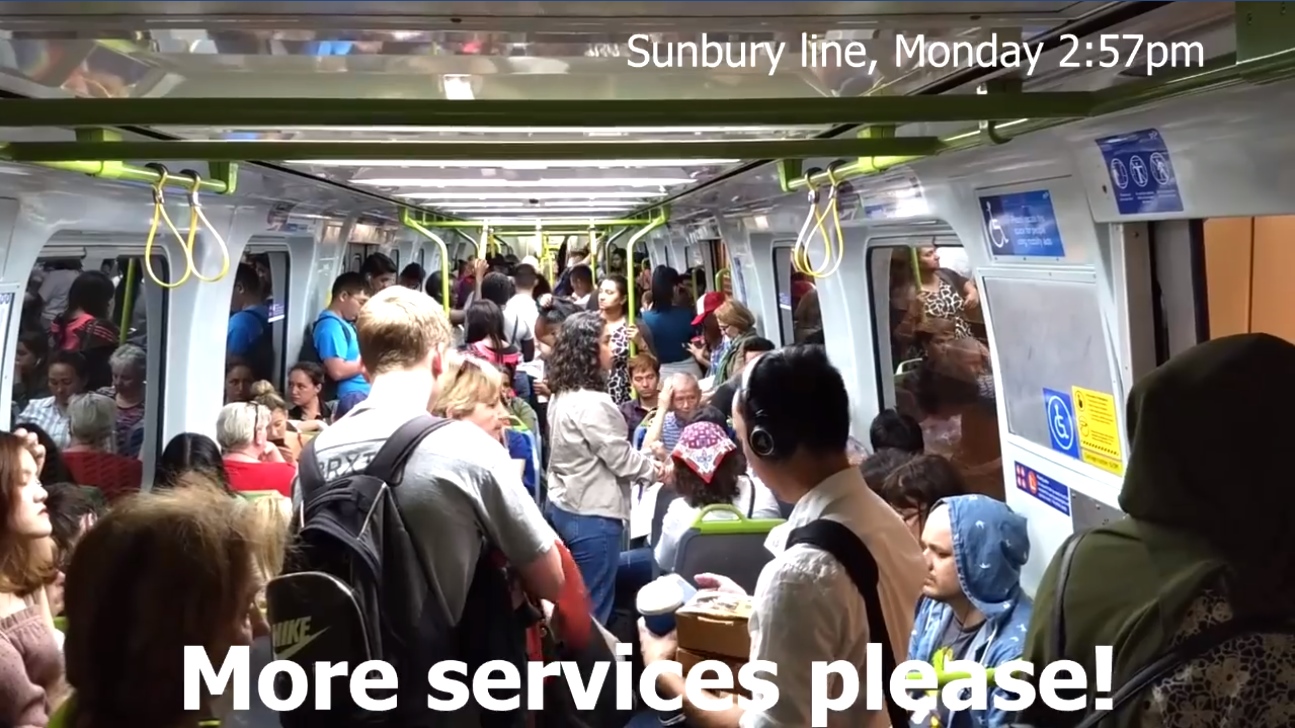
[761, 435]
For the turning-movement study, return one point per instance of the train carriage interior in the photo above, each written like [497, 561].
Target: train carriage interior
[1084, 219]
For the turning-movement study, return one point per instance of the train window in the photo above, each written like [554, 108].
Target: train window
[933, 355]
[800, 320]
[93, 326]
[1049, 334]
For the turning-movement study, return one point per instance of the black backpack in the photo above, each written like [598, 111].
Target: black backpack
[310, 353]
[262, 355]
[355, 588]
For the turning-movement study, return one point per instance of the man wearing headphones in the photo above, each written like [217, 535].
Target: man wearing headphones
[846, 571]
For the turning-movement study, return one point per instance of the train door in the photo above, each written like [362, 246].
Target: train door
[273, 266]
[800, 319]
[933, 361]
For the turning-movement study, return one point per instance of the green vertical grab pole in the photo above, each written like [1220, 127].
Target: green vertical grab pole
[409, 221]
[658, 221]
[127, 306]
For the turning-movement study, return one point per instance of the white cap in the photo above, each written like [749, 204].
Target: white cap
[532, 261]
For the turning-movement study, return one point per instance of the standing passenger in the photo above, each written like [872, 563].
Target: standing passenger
[336, 342]
[591, 462]
[249, 339]
[379, 272]
[669, 325]
[792, 416]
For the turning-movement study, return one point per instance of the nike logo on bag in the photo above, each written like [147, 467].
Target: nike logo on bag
[292, 636]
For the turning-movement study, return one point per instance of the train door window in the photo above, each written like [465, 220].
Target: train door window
[933, 354]
[89, 365]
[272, 268]
[800, 320]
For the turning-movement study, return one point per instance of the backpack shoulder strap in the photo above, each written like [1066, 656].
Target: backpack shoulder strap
[388, 464]
[1058, 615]
[846, 547]
[310, 477]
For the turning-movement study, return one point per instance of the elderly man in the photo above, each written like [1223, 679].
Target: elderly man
[676, 405]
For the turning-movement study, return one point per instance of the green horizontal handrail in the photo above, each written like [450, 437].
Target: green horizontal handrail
[222, 183]
[282, 113]
[304, 151]
[1217, 74]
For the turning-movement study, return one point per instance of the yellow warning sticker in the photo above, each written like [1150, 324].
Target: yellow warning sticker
[1099, 429]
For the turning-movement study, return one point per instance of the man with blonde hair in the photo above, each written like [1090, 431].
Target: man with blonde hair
[459, 498]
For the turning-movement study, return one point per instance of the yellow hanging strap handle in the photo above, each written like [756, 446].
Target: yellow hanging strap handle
[159, 215]
[196, 215]
[593, 252]
[800, 252]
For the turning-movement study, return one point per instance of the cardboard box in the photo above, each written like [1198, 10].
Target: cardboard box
[715, 623]
[688, 660]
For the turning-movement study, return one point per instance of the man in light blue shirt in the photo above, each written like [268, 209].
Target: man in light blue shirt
[336, 343]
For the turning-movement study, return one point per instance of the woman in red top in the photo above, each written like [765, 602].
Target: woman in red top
[92, 421]
[251, 459]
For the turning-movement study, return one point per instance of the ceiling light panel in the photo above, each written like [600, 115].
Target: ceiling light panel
[581, 195]
[495, 182]
[495, 210]
[539, 164]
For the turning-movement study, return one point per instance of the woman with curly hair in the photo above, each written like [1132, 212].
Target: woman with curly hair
[592, 463]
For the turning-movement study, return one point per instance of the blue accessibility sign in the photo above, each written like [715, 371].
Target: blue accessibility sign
[1062, 433]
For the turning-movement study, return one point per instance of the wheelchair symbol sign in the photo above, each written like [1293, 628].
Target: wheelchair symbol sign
[1061, 422]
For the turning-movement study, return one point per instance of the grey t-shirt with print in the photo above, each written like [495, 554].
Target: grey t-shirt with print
[458, 484]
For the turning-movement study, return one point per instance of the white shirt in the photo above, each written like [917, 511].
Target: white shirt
[807, 609]
[524, 307]
[752, 499]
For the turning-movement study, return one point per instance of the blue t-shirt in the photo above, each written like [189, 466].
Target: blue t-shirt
[520, 447]
[671, 332]
[336, 339]
[245, 329]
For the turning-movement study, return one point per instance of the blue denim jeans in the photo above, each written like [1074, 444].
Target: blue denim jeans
[636, 570]
[595, 545]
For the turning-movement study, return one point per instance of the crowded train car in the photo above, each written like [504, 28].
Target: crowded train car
[532, 331]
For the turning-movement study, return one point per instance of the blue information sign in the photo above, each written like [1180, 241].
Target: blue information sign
[1040, 486]
[1022, 224]
[1141, 172]
[1060, 412]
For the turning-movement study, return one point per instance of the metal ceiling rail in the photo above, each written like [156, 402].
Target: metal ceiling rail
[291, 151]
[1218, 74]
[235, 113]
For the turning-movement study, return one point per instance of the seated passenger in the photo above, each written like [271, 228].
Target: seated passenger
[125, 655]
[972, 607]
[591, 462]
[793, 418]
[708, 469]
[645, 375]
[73, 509]
[249, 339]
[30, 369]
[472, 390]
[55, 470]
[281, 432]
[238, 383]
[722, 396]
[91, 420]
[914, 487]
[252, 461]
[335, 342]
[1206, 542]
[877, 467]
[129, 365]
[190, 452]
[890, 429]
[67, 377]
[305, 390]
[678, 401]
[31, 670]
